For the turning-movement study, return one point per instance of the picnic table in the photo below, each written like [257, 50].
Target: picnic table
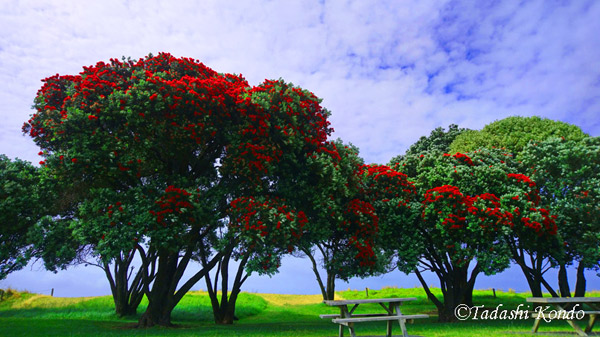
[391, 313]
[563, 305]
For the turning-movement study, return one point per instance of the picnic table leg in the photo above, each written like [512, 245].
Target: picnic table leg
[401, 321]
[390, 311]
[346, 314]
[536, 324]
[592, 319]
[577, 328]
[571, 323]
[591, 323]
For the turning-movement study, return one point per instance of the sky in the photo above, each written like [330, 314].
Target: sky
[389, 72]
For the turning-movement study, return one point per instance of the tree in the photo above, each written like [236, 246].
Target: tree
[462, 214]
[163, 145]
[514, 133]
[568, 173]
[533, 239]
[438, 140]
[265, 215]
[261, 231]
[21, 205]
[343, 226]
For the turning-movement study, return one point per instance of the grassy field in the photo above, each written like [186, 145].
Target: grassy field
[25, 314]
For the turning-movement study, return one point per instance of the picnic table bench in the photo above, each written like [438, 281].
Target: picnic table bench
[564, 305]
[391, 306]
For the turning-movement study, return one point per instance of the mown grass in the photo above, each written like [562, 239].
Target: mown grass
[26, 314]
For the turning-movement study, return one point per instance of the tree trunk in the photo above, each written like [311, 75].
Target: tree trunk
[580, 284]
[534, 282]
[438, 304]
[330, 285]
[563, 281]
[158, 313]
[315, 269]
[160, 298]
[224, 310]
[127, 294]
[457, 288]
[164, 295]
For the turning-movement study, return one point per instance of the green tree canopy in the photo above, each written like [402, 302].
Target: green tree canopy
[438, 140]
[514, 133]
[568, 173]
[464, 211]
[21, 206]
[160, 148]
[521, 136]
[343, 225]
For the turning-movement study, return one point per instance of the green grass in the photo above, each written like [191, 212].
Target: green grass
[24, 314]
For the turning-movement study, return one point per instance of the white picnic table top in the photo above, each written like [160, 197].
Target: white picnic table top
[562, 304]
[337, 303]
[567, 300]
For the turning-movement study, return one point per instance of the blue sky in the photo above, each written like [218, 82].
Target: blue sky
[389, 71]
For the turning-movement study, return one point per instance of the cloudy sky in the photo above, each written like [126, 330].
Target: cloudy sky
[389, 71]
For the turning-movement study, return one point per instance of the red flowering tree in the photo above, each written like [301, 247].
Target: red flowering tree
[343, 226]
[285, 128]
[260, 231]
[533, 239]
[173, 142]
[567, 172]
[544, 146]
[461, 221]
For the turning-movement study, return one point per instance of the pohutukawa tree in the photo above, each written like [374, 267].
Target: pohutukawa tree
[568, 173]
[163, 145]
[331, 230]
[22, 204]
[514, 133]
[533, 240]
[559, 173]
[265, 217]
[260, 231]
[343, 226]
[461, 221]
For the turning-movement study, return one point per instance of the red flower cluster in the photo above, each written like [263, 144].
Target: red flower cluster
[362, 222]
[522, 178]
[255, 216]
[461, 157]
[455, 210]
[172, 202]
[546, 225]
[385, 183]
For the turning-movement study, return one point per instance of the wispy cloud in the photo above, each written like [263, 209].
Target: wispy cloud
[389, 72]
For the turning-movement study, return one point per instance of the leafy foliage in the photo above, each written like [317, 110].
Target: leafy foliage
[568, 173]
[438, 140]
[465, 212]
[21, 205]
[514, 133]
[163, 146]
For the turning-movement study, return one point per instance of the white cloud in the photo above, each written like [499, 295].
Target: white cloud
[389, 72]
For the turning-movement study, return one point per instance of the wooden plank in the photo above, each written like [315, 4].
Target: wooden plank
[356, 315]
[551, 300]
[369, 300]
[377, 318]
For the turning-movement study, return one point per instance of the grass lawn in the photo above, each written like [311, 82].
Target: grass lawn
[25, 314]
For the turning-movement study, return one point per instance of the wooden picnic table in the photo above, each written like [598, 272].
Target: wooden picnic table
[563, 305]
[391, 313]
